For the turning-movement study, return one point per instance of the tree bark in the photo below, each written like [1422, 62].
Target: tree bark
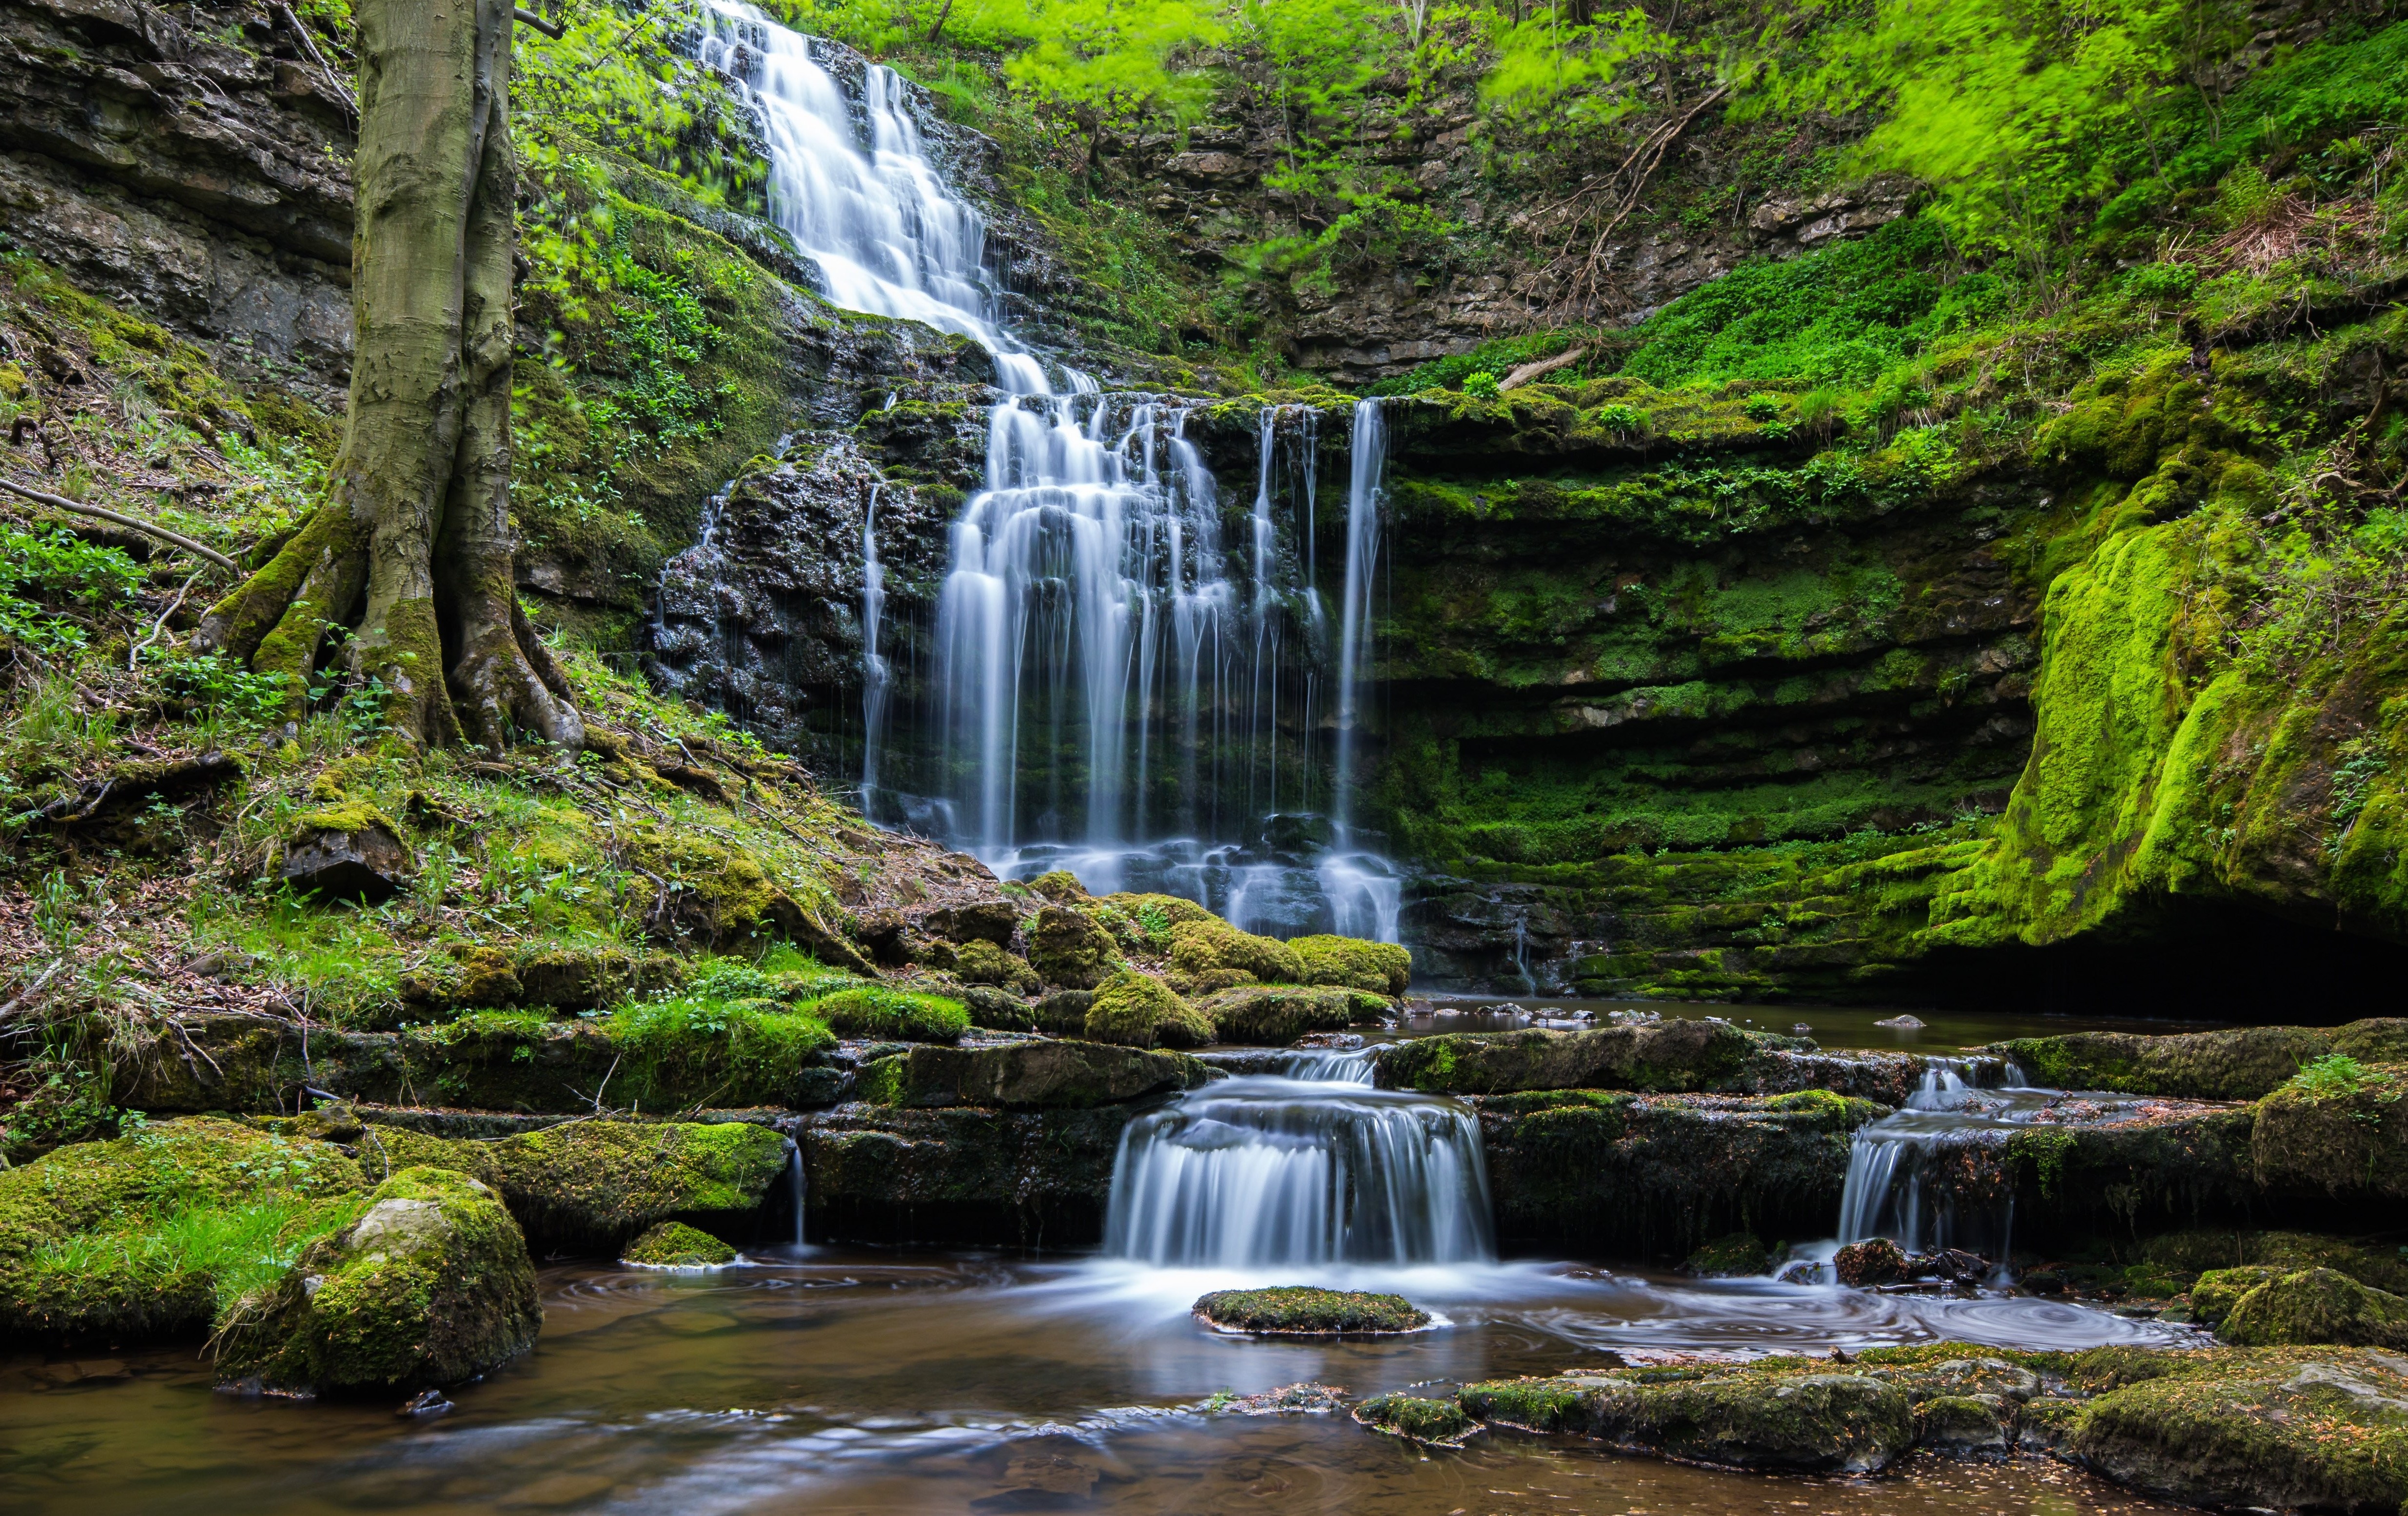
[413, 549]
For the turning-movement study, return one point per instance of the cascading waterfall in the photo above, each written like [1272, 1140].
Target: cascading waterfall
[1313, 1167]
[876, 677]
[1112, 683]
[1887, 1193]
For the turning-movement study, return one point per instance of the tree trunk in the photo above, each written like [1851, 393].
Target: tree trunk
[413, 549]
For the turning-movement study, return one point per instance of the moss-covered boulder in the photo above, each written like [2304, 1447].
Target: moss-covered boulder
[1803, 1420]
[1138, 1011]
[1378, 967]
[2214, 1294]
[591, 1186]
[676, 1245]
[2243, 1063]
[875, 1011]
[152, 1235]
[1438, 1423]
[2312, 1306]
[1873, 1261]
[2338, 1127]
[2271, 1429]
[1070, 950]
[1733, 1255]
[431, 1286]
[1301, 1311]
[1027, 1076]
[981, 962]
[348, 852]
[1276, 1015]
[1060, 886]
[1210, 954]
[2185, 1255]
[1668, 1055]
[1966, 1425]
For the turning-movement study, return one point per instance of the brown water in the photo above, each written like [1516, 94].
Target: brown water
[854, 1382]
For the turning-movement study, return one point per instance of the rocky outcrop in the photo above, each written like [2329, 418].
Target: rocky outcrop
[200, 180]
[960, 1174]
[1028, 1076]
[2241, 1063]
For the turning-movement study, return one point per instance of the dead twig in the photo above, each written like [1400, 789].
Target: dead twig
[60, 501]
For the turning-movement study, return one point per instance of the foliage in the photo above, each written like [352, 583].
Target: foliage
[53, 586]
[2333, 1075]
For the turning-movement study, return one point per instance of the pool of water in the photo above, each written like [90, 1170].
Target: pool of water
[1833, 1026]
[842, 1381]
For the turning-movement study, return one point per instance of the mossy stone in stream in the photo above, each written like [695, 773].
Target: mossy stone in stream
[431, 1286]
[2312, 1306]
[1977, 1425]
[1771, 1419]
[1740, 1254]
[2184, 1254]
[1138, 1011]
[1210, 954]
[1302, 1310]
[1350, 962]
[1873, 1261]
[2214, 1294]
[676, 1245]
[1438, 1423]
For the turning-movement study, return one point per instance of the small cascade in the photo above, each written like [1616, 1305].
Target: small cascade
[1369, 472]
[1308, 1168]
[1917, 1176]
[876, 679]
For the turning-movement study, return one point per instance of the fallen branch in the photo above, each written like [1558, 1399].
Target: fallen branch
[60, 501]
[133, 658]
[554, 30]
[1529, 371]
[32, 989]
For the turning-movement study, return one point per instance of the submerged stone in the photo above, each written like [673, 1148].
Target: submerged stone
[1301, 1311]
[1440, 1423]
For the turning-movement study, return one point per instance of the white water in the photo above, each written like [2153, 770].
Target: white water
[876, 679]
[1885, 1193]
[1117, 693]
[1274, 1171]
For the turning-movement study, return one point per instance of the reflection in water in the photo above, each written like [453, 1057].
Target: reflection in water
[863, 1383]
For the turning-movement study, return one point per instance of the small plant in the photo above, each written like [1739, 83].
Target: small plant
[1480, 386]
[1762, 407]
[2334, 1075]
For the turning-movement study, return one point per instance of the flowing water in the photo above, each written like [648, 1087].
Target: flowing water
[1118, 691]
[842, 1383]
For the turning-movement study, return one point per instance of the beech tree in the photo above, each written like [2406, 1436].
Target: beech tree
[412, 550]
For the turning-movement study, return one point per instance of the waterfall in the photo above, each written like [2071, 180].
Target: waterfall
[1369, 463]
[1274, 1171]
[1891, 1190]
[875, 676]
[1110, 684]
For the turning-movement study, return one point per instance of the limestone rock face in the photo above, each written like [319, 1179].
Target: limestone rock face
[432, 1286]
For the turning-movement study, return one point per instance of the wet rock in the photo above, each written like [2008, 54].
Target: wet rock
[960, 1174]
[2316, 1306]
[2340, 1137]
[1436, 1423]
[1809, 1422]
[1138, 1011]
[347, 857]
[1028, 1076]
[1978, 1425]
[1070, 950]
[2266, 1429]
[1903, 1023]
[432, 1286]
[1672, 1055]
[1875, 1260]
[1278, 1014]
[981, 921]
[676, 1245]
[1301, 1311]
[1994, 1381]
[1288, 1399]
[1658, 1174]
[1210, 954]
[2046, 1424]
[2238, 1064]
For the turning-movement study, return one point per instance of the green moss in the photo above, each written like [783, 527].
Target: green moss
[1276, 1015]
[1438, 1423]
[676, 1245]
[2311, 1306]
[729, 1052]
[1739, 1254]
[875, 1011]
[1378, 967]
[1302, 1310]
[2214, 1294]
[1069, 949]
[1532, 1405]
[2335, 1130]
[1744, 1417]
[982, 962]
[2194, 1252]
[592, 1185]
[432, 1286]
[1138, 1011]
[1210, 954]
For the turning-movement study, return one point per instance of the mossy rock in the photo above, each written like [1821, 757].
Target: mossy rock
[1026, 1075]
[1275, 1015]
[2342, 1137]
[1806, 1422]
[1210, 954]
[1060, 886]
[591, 977]
[1965, 1425]
[2236, 1063]
[1070, 950]
[1063, 1013]
[1738, 1255]
[2243, 1428]
[2214, 1294]
[1138, 1011]
[431, 1286]
[1668, 1056]
[2316, 1306]
[1438, 1423]
[1873, 1261]
[873, 1011]
[2192, 1254]
[676, 1245]
[981, 962]
[1378, 967]
[1301, 1311]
